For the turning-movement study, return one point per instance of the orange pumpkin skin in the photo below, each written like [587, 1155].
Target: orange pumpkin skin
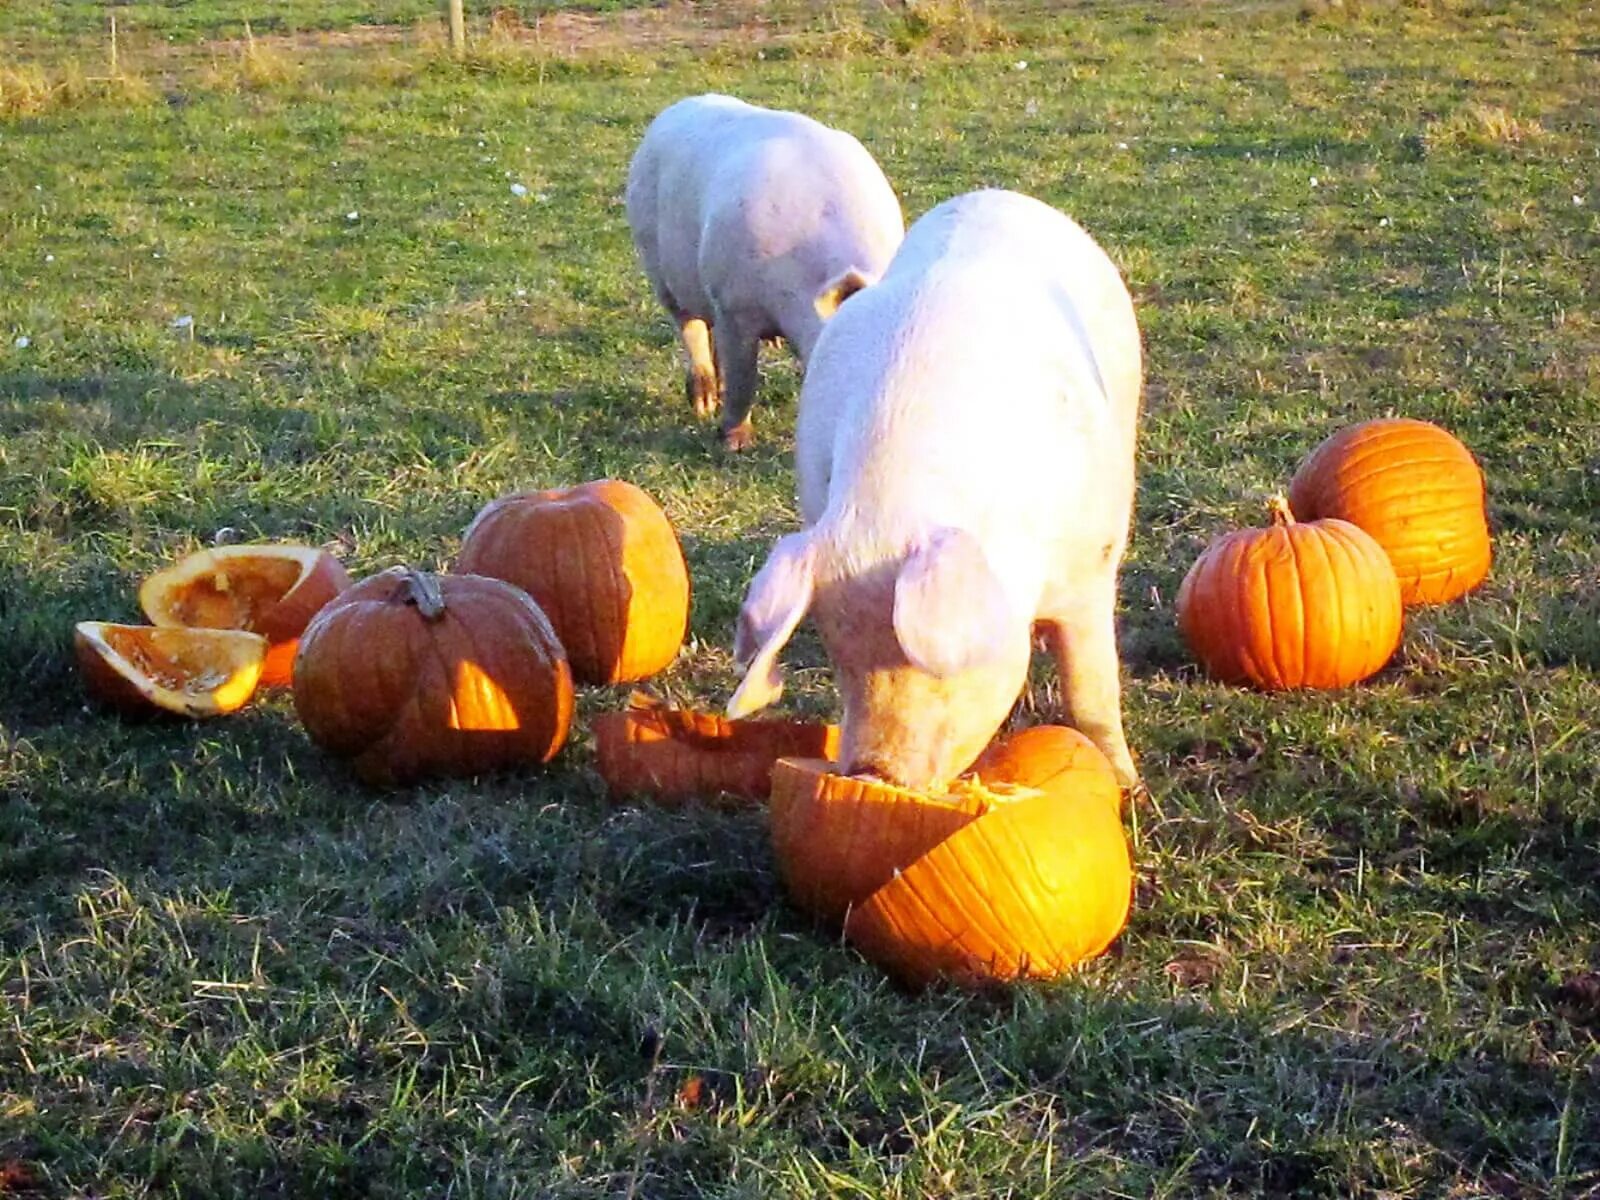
[410, 675]
[141, 670]
[270, 589]
[672, 755]
[1416, 489]
[603, 562]
[839, 838]
[1041, 882]
[1296, 605]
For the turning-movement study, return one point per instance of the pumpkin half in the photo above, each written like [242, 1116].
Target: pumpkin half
[1416, 489]
[996, 881]
[408, 674]
[270, 589]
[672, 755]
[143, 669]
[603, 562]
[1296, 605]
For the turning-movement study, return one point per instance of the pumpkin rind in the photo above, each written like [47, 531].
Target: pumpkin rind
[603, 562]
[1416, 489]
[1038, 884]
[142, 669]
[404, 692]
[1297, 605]
[838, 838]
[672, 755]
[270, 589]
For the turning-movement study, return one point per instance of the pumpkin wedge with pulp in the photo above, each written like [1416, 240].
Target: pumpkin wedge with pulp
[672, 754]
[142, 669]
[273, 589]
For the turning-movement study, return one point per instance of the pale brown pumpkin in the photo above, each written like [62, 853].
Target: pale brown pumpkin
[270, 589]
[145, 669]
[408, 674]
[672, 755]
[1296, 605]
[603, 562]
[1416, 490]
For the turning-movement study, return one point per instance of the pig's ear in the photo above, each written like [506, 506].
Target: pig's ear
[838, 290]
[950, 612]
[777, 600]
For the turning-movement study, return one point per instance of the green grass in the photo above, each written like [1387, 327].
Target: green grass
[1356, 962]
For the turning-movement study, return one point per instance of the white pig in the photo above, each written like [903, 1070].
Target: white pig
[740, 215]
[965, 459]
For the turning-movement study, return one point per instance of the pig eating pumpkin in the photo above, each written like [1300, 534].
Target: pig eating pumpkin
[964, 453]
[740, 215]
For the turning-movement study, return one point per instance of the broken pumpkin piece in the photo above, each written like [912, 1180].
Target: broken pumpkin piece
[672, 755]
[141, 669]
[273, 589]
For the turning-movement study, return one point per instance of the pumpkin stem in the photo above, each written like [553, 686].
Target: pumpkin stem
[1278, 506]
[422, 590]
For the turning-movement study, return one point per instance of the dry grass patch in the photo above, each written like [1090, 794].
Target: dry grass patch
[31, 90]
[1480, 127]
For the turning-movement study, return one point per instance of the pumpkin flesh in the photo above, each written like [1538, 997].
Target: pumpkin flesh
[273, 590]
[674, 755]
[141, 669]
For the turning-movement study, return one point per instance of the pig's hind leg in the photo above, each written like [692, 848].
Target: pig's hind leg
[1083, 639]
[738, 351]
[700, 380]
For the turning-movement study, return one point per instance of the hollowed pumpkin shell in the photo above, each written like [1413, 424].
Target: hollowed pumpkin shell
[1295, 605]
[603, 562]
[142, 669]
[998, 880]
[408, 675]
[672, 755]
[273, 590]
[1416, 489]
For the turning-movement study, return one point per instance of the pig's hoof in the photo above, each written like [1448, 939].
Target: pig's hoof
[702, 390]
[740, 437]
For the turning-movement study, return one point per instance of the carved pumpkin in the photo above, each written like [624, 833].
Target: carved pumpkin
[1295, 605]
[142, 669]
[409, 674]
[1040, 882]
[603, 561]
[273, 590]
[672, 755]
[1419, 493]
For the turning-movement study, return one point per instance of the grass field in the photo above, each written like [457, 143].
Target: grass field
[1363, 959]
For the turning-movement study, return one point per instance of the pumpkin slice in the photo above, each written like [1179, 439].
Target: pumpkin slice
[142, 669]
[838, 838]
[1040, 882]
[270, 589]
[672, 755]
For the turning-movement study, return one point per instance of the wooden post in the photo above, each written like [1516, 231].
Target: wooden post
[458, 28]
[114, 71]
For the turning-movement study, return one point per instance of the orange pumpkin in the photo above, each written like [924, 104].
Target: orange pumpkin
[672, 755]
[273, 590]
[839, 838]
[1295, 605]
[143, 669]
[409, 674]
[1039, 883]
[1416, 489]
[603, 561]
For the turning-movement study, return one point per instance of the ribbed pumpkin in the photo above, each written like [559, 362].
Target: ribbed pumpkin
[1040, 882]
[270, 589]
[1296, 605]
[671, 755]
[144, 669]
[603, 562]
[409, 674]
[839, 838]
[1416, 489]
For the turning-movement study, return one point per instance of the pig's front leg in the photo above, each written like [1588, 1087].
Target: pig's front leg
[700, 381]
[1084, 642]
[738, 347]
